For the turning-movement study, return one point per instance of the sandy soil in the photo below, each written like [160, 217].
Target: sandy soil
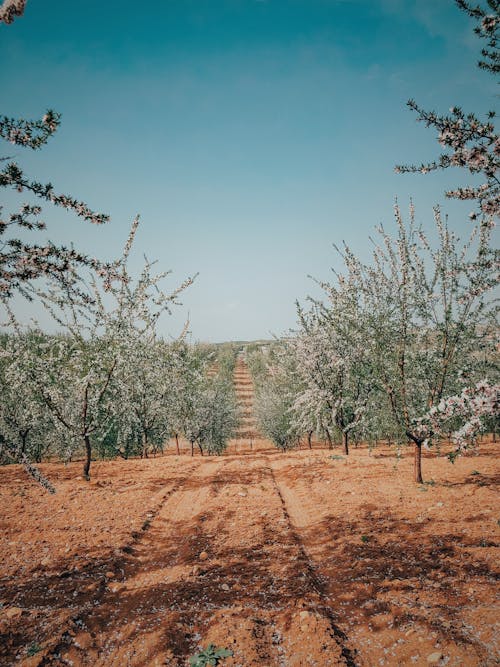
[303, 558]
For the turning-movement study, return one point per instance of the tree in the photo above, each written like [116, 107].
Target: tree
[24, 420]
[142, 387]
[275, 394]
[486, 28]
[333, 364]
[222, 416]
[189, 378]
[81, 374]
[470, 142]
[25, 427]
[21, 262]
[468, 413]
[204, 406]
[10, 9]
[427, 309]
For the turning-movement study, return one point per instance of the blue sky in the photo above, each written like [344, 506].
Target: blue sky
[249, 134]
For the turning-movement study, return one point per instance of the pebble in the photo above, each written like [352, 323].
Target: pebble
[110, 574]
[13, 612]
[434, 658]
[83, 640]
[225, 587]
[203, 555]
[304, 615]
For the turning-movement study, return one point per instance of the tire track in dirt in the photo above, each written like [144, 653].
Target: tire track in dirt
[132, 605]
[122, 558]
[212, 567]
[316, 582]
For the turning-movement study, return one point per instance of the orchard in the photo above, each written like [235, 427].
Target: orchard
[320, 496]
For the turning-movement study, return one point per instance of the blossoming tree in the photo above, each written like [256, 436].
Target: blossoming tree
[83, 371]
[469, 141]
[333, 364]
[426, 310]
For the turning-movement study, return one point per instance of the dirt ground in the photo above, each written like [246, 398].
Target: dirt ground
[301, 558]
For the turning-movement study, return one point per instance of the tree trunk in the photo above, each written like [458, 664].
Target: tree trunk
[192, 447]
[200, 448]
[418, 463]
[88, 456]
[309, 439]
[345, 441]
[24, 435]
[329, 438]
[144, 445]
[177, 443]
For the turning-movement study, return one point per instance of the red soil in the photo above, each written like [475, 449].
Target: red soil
[287, 559]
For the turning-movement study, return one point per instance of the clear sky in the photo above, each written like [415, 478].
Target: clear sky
[249, 134]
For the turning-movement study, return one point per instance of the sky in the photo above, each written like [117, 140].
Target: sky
[250, 135]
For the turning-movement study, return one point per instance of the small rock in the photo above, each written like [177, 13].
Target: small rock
[243, 494]
[203, 555]
[225, 587]
[45, 562]
[434, 658]
[110, 574]
[439, 504]
[304, 615]
[13, 612]
[83, 640]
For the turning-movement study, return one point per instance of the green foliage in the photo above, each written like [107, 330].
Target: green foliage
[275, 380]
[33, 649]
[209, 656]
[226, 361]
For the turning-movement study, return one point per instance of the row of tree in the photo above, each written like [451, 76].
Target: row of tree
[107, 384]
[404, 348]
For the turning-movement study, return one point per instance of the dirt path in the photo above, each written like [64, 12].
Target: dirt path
[247, 433]
[406, 588]
[214, 565]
